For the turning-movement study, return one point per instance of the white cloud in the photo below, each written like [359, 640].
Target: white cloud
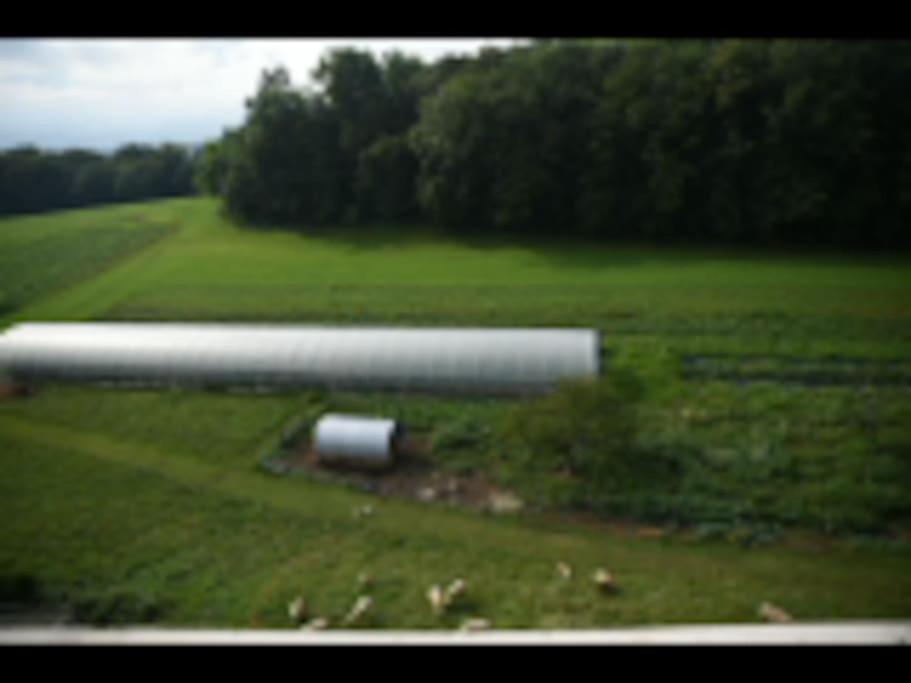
[102, 93]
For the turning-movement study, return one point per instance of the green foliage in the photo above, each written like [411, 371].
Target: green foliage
[19, 587]
[210, 173]
[459, 435]
[732, 141]
[385, 181]
[501, 144]
[456, 443]
[584, 432]
[354, 86]
[772, 142]
[39, 256]
[94, 183]
[284, 164]
[648, 145]
[335, 156]
[32, 180]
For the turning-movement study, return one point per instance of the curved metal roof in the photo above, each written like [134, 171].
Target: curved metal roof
[470, 359]
[355, 438]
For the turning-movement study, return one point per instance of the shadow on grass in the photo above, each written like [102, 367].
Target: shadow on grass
[574, 253]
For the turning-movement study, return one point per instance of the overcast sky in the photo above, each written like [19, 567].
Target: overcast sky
[98, 94]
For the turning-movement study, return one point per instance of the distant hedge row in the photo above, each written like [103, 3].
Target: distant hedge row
[34, 180]
[739, 141]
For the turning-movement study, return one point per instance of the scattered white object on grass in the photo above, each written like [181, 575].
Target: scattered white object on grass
[363, 511]
[455, 590]
[564, 570]
[604, 580]
[472, 625]
[440, 599]
[427, 494]
[318, 624]
[774, 614]
[503, 503]
[361, 607]
[297, 609]
[437, 598]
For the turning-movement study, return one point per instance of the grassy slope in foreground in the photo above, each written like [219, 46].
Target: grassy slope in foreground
[127, 532]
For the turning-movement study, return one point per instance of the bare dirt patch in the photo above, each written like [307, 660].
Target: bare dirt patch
[12, 390]
[412, 475]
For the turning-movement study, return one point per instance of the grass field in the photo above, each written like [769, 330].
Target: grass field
[776, 385]
[40, 255]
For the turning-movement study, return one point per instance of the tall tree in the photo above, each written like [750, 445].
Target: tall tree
[284, 163]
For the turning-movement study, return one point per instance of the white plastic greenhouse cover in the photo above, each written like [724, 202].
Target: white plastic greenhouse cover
[367, 440]
[448, 359]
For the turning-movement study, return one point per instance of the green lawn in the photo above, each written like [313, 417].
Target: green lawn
[42, 254]
[779, 384]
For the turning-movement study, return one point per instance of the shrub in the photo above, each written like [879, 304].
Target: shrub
[19, 587]
[457, 443]
[458, 435]
[574, 442]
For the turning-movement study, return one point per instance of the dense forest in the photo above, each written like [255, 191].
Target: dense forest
[33, 180]
[733, 141]
[776, 142]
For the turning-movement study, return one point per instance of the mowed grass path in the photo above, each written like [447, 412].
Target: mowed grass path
[212, 269]
[149, 505]
[42, 254]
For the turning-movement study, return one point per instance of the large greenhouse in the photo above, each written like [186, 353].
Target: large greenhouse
[497, 360]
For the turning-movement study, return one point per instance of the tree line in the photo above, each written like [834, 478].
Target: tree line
[736, 141]
[33, 180]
